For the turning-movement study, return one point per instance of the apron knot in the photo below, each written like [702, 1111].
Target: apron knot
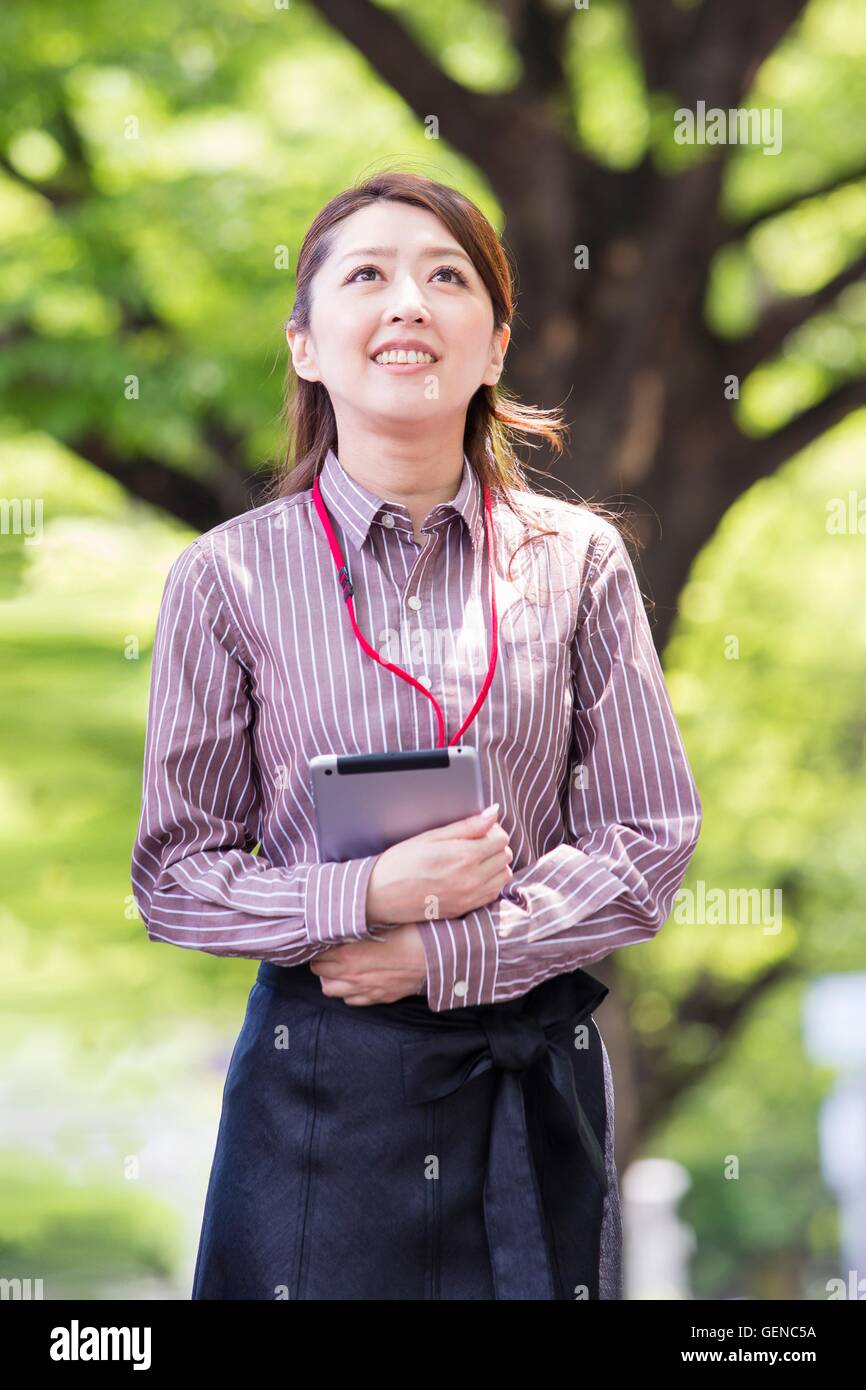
[516, 1043]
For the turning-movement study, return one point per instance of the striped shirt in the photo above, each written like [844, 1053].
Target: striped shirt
[256, 669]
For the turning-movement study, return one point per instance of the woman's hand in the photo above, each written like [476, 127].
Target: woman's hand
[377, 971]
[452, 869]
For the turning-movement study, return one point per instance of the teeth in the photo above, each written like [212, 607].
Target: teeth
[386, 358]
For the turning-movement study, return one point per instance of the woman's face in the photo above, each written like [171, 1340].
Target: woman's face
[396, 273]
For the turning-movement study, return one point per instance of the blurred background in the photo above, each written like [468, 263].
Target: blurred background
[696, 304]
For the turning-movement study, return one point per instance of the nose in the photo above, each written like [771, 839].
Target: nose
[407, 301]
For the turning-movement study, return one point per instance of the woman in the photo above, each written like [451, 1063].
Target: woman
[419, 1104]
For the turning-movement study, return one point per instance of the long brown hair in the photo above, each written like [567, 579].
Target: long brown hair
[495, 419]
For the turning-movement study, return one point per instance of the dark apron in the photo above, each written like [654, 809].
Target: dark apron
[389, 1152]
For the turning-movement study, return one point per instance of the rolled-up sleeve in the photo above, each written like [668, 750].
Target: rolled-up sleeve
[195, 882]
[634, 815]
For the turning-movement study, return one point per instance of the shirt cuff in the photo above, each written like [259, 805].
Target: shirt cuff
[463, 962]
[335, 900]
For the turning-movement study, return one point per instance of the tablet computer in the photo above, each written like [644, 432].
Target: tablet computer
[367, 802]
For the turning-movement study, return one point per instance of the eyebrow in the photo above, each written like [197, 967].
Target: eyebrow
[392, 251]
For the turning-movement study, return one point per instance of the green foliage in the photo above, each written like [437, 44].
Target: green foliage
[82, 1239]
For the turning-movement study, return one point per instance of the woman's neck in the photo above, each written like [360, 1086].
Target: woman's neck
[419, 485]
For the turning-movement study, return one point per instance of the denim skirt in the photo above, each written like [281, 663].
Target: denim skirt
[391, 1152]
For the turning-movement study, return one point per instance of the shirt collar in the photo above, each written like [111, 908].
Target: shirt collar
[357, 508]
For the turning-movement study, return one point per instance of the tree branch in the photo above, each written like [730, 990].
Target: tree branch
[709, 51]
[661, 1088]
[76, 177]
[792, 201]
[538, 34]
[229, 488]
[411, 73]
[790, 314]
[59, 198]
[200, 505]
[497, 131]
[756, 458]
[662, 31]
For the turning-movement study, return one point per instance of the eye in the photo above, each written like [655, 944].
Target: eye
[452, 270]
[362, 270]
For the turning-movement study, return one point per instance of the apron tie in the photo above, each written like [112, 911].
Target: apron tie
[529, 1046]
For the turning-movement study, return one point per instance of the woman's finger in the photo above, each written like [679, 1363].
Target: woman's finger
[328, 970]
[339, 987]
[366, 964]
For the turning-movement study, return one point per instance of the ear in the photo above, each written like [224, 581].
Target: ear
[497, 358]
[303, 353]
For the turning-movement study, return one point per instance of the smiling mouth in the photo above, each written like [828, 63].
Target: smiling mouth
[405, 358]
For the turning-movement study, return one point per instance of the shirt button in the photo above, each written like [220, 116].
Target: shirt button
[425, 681]
[387, 519]
[414, 601]
[460, 988]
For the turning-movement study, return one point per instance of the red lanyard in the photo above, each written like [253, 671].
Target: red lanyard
[348, 590]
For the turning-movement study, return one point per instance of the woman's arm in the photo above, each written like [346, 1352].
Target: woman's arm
[194, 880]
[634, 816]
